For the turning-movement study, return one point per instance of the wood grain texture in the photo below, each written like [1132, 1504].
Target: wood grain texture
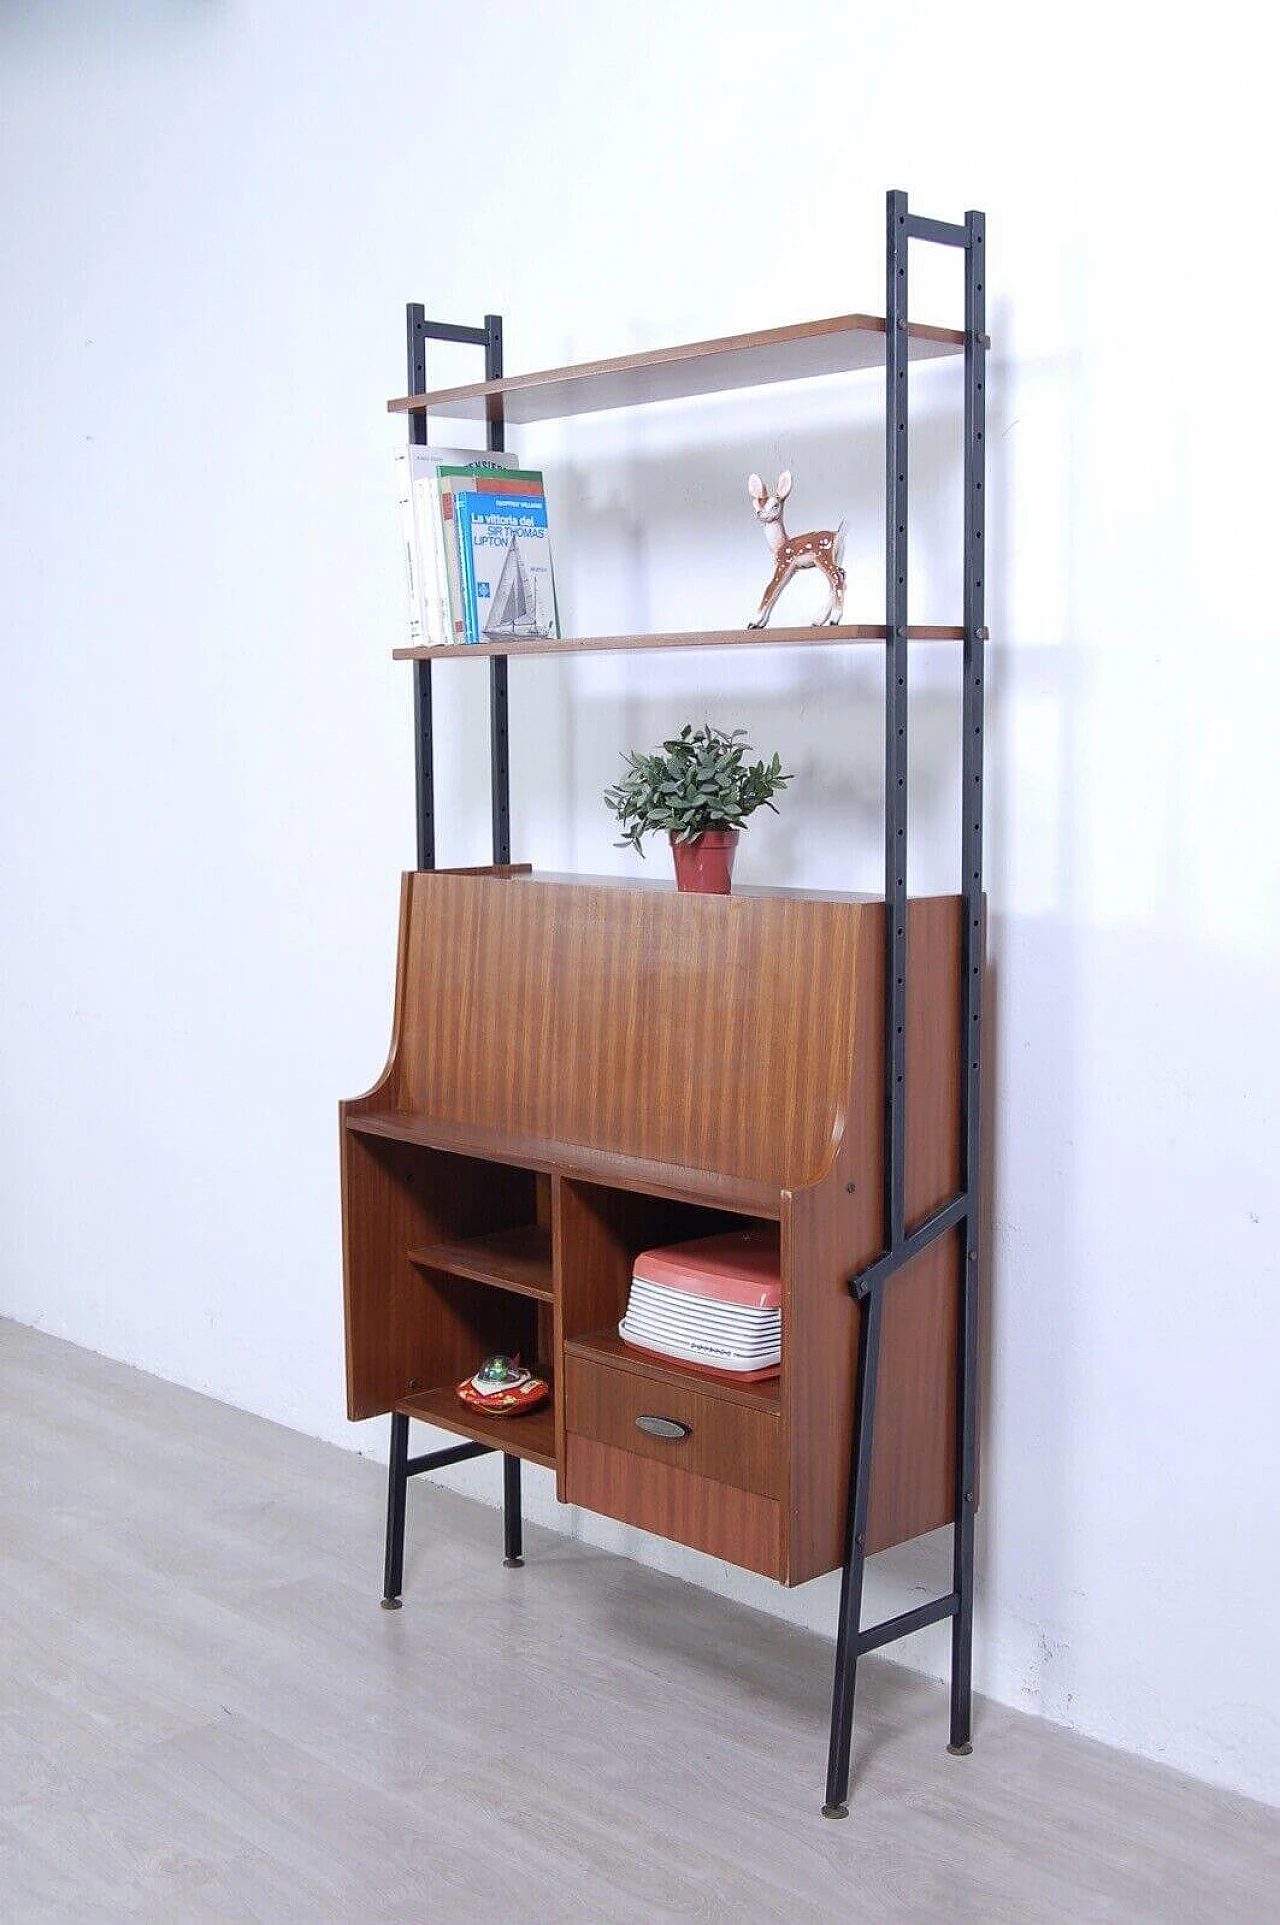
[813, 636]
[703, 1513]
[729, 1442]
[839, 345]
[709, 1032]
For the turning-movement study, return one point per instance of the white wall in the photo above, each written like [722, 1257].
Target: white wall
[212, 217]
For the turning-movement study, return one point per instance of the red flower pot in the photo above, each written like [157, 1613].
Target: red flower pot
[705, 865]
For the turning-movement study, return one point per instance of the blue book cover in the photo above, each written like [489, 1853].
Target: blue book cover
[504, 555]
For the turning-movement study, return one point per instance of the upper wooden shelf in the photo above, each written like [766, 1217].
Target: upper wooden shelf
[811, 637]
[840, 345]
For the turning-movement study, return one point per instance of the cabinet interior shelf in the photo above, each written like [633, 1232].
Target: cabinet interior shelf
[841, 344]
[532, 1436]
[518, 1259]
[811, 637]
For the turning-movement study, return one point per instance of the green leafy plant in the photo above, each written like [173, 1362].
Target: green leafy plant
[699, 780]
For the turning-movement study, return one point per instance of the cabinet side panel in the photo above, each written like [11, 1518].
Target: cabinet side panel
[385, 1307]
[827, 1232]
[913, 1472]
[832, 1230]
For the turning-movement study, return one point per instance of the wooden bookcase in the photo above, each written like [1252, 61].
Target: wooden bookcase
[581, 1068]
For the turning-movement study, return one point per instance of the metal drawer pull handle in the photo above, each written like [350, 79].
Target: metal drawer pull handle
[662, 1427]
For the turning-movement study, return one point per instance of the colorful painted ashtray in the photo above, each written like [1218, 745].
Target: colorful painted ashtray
[502, 1387]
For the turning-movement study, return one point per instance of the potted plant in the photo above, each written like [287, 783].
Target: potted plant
[699, 787]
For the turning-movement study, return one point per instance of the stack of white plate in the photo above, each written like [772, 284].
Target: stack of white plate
[701, 1330]
[715, 1301]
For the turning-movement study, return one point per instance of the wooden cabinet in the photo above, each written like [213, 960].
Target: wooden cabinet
[581, 1070]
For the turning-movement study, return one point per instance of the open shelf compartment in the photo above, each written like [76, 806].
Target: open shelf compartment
[602, 1231]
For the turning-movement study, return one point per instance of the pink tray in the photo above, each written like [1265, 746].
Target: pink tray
[740, 1266]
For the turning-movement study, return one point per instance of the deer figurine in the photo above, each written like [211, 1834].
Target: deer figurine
[792, 553]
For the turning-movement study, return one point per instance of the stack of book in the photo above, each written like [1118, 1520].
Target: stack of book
[477, 547]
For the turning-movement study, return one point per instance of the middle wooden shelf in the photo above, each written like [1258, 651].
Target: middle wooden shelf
[518, 1259]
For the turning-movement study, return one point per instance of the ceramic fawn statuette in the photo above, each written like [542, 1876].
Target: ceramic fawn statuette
[792, 553]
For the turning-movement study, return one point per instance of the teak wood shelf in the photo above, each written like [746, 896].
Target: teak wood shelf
[581, 1069]
[829, 637]
[841, 345]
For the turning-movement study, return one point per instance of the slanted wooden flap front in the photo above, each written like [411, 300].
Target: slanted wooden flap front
[711, 1032]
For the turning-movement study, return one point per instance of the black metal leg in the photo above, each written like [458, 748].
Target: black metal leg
[512, 1538]
[397, 1485]
[855, 1555]
[966, 1505]
[975, 418]
[962, 1649]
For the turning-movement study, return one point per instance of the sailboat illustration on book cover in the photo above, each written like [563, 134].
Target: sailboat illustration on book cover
[515, 599]
[506, 556]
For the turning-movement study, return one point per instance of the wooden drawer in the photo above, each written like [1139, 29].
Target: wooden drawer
[725, 1442]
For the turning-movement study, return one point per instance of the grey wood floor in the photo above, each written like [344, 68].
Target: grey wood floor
[205, 1715]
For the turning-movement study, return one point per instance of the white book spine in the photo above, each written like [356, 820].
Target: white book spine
[406, 497]
[435, 607]
[423, 535]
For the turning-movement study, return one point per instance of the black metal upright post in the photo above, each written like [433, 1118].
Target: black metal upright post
[425, 820]
[895, 998]
[423, 723]
[960, 1212]
[895, 710]
[859, 1501]
[401, 1467]
[975, 635]
[500, 787]
[499, 767]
